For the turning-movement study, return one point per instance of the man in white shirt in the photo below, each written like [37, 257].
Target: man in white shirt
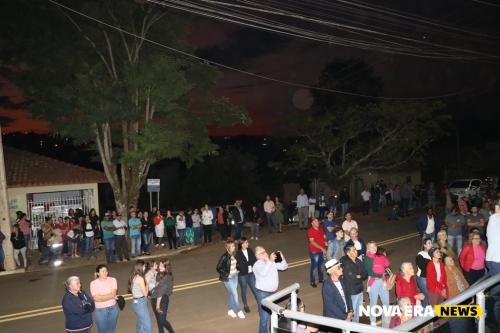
[366, 195]
[428, 225]
[265, 271]
[270, 209]
[303, 209]
[493, 256]
[120, 229]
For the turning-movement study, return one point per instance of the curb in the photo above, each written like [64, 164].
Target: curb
[91, 262]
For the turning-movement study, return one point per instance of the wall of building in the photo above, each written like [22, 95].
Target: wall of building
[18, 200]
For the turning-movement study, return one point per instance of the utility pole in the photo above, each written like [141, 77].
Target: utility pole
[4, 213]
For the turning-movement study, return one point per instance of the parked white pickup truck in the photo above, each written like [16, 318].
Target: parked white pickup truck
[470, 188]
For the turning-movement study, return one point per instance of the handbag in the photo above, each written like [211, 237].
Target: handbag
[120, 300]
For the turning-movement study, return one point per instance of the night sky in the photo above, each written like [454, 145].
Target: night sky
[301, 61]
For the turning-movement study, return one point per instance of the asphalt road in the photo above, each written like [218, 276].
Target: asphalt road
[31, 301]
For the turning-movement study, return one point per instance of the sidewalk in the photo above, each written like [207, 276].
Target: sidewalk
[34, 266]
[367, 224]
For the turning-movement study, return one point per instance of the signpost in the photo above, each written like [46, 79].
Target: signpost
[153, 185]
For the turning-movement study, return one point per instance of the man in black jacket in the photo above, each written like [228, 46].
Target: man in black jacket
[337, 302]
[354, 275]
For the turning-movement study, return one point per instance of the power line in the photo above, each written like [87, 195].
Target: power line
[276, 11]
[219, 14]
[260, 76]
[487, 3]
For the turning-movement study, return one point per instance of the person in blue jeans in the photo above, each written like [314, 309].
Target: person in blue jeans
[135, 227]
[109, 239]
[377, 289]
[245, 258]
[103, 290]
[265, 271]
[239, 219]
[317, 249]
[137, 286]
[147, 231]
[228, 274]
[422, 259]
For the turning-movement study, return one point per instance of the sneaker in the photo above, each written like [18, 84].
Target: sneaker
[251, 237]
[241, 315]
[314, 285]
[156, 245]
[231, 314]
[246, 308]
[256, 238]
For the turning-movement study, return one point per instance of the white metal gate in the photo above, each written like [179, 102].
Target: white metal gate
[55, 205]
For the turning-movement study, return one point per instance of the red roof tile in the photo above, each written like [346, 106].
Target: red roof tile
[24, 169]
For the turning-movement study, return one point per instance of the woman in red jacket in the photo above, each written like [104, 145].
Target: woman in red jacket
[406, 286]
[472, 258]
[436, 278]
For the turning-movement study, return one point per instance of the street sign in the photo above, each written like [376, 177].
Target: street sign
[153, 185]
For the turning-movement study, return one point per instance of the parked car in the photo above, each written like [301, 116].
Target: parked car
[470, 188]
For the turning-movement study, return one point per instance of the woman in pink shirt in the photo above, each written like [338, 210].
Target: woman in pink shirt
[103, 290]
[472, 258]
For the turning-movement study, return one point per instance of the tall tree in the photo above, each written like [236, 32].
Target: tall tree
[135, 102]
[357, 139]
[353, 75]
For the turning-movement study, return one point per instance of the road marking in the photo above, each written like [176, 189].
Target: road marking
[181, 287]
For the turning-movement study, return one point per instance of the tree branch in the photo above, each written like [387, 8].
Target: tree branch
[389, 137]
[110, 53]
[122, 36]
[91, 42]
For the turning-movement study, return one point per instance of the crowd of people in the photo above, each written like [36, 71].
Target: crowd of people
[245, 268]
[153, 280]
[444, 267]
[456, 251]
[126, 237]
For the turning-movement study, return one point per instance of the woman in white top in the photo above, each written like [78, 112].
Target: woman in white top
[159, 229]
[180, 226]
[138, 286]
[196, 226]
[347, 225]
[206, 219]
[88, 230]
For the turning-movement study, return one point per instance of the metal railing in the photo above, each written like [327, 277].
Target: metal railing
[295, 316]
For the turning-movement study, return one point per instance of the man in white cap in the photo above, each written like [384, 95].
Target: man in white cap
[336, 298]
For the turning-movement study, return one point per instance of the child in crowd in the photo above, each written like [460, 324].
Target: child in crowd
[380, 264]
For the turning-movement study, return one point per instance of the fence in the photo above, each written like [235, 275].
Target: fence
[476, 290]
[41, 208]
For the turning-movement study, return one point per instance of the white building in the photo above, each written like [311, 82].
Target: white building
[42, 186]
